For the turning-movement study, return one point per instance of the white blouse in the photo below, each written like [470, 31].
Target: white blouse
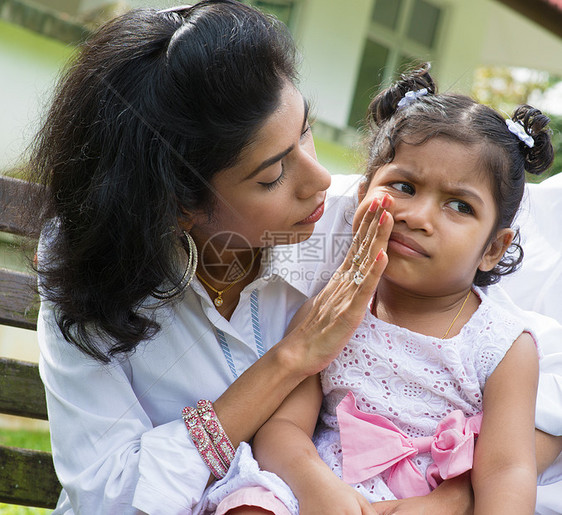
[119, 443]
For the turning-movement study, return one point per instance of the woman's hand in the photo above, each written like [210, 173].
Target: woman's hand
[452, 497]
[319, 333]
[325, 324]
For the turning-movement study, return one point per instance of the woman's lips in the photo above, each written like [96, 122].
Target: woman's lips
[314, 216]
[406, 246]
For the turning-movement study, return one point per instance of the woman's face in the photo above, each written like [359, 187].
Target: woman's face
[444, 217]
[275, 193]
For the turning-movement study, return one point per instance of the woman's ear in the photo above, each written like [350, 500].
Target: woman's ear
[186, 220]
[496, 249]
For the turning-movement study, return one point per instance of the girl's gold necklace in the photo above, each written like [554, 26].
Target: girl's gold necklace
[457, 316]
[218, 301]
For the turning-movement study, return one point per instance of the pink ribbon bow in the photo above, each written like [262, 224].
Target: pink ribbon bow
[372, 444]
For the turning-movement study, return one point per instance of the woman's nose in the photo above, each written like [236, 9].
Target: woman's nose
[314, 177]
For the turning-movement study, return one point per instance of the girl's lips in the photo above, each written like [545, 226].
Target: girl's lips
[314, 216]
[406, 246]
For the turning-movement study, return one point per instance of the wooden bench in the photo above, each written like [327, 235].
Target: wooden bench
[27, 477]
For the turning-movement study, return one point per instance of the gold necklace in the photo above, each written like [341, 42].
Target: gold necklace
[218, 300]
[457, 316]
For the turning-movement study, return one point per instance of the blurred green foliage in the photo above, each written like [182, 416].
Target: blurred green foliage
[505, 88]
[556, 126]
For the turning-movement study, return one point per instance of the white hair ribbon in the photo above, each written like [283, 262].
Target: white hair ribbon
[410, 97]
[518, 129]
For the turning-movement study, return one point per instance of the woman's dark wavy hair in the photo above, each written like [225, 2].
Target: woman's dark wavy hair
[462, 119]
[156, 103]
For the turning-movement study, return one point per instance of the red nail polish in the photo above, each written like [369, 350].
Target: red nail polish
[379, 255]
[374, 205]
[382, 218]
[385, 201]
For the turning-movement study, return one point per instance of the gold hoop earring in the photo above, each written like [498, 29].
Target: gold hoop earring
[187, 275]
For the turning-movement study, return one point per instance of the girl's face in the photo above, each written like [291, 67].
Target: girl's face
[275, 193]
[444, 215]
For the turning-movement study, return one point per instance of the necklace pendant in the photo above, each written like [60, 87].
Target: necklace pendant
[218, 301]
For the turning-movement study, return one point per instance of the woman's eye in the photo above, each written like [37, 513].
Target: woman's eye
[403, 187]
[307, 131]
[277, 182]
[461, 207]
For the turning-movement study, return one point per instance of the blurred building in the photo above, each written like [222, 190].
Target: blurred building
[349, 49]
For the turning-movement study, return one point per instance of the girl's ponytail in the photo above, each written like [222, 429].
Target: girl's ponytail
[539, 157]
[385, 104]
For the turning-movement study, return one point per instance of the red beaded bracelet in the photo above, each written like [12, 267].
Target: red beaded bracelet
[203, 443]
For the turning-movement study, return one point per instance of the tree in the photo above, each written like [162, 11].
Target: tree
[505, 88]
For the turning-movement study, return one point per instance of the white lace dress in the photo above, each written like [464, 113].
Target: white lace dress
[412, 379]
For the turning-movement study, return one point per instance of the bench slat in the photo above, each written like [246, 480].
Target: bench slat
[21, 390]
[13, 195]
[18, 302]
[27, 477]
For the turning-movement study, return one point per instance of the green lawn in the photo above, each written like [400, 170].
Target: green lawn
[336, 158]
[27, 439]
[31, 440]
[10, 509]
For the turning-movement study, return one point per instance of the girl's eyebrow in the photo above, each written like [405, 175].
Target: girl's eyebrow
[453, 190]
[464, 193]
[277, 157]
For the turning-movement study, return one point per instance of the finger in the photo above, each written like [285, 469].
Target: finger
[386, 204]
[369, 215]
[385, 507]
[370, 279]
[370, 228]
[382, 233]
[358, 243]
[375, 271]
[368, 508]
[370, 221]
[378, 242]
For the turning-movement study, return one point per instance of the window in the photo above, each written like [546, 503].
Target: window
[422, 26]
[401, 32]
[386, 12]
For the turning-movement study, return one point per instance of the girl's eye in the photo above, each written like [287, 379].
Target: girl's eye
[403, 187]
[461, 207]
[277, 182]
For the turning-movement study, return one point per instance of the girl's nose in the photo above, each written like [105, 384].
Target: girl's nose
[417, 214]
